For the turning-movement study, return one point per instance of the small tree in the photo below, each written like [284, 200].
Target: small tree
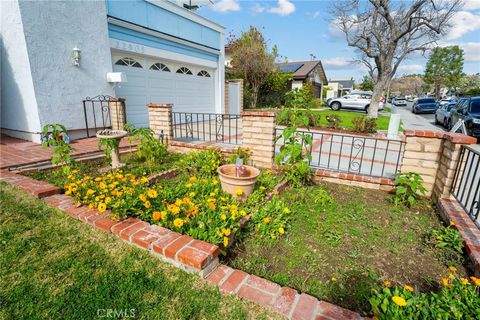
[469, 84]
[252, 61]
[444, 68]
[386, 32]
[366, 84]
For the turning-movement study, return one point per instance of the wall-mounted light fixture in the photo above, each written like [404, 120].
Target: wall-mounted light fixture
[76, 56]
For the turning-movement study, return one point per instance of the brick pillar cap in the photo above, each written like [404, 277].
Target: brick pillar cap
[112, 99]
[423, 133]
[259, 113]
[459, 138]
[160, 105]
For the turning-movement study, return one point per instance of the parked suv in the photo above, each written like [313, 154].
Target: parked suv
[468, 109]
[354, 100]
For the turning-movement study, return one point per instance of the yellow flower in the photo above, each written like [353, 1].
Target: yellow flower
[147, 204]
[142, 197]
[102, 207]
[156, 215]
[334, 279]
[223, 217]
[451, 276]
[399, 301]
[108, 200]
[452, 269]
[178, 222]
[188, 185]
[215, 182]
[387, 283]
[178, 202]
[152, 193]
[90, 192]
[243, 213]
[475, 280]
[102, 185]
[267, 220]
[191, 194]
[286, 210]
[226, 232]
[281, 230]
[143, 179]
[173, 208]
[192, 179]
[445, 282]
[225, 241]
[98, 179]
[408, 288]
[464, 281]
[262, 188]
[68, 192]
[212, 206]
[239, 192]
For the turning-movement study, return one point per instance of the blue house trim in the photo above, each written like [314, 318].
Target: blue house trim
[121, 33]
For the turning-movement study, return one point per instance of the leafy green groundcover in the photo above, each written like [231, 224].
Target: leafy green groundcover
[54, 267]
[344, 241]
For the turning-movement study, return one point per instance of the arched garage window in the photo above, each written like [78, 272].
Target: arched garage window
[203, 73]
[159, 67]
[129, 62]
[184, 70]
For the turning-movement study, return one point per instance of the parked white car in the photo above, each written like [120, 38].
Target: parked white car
[442, 115]
[354, 100]
[399, 101]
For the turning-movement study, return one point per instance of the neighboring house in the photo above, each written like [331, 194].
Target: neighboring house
[335, 89]
[346, 86]
[169, 55]
[306, 71]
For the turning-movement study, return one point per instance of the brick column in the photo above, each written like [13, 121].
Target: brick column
[117, 113]
[160, 119]
[448, 163]
[422, 155]
[259, 136]
[434, 156]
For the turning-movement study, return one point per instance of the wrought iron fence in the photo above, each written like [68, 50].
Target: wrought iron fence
[102, 112]
[376, 157]
[466, 182]
[206, 127]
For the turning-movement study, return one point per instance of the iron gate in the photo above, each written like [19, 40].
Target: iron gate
[103, 112]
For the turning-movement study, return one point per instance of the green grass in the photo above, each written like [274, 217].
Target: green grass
[347, 117]
[52, 266]
[132, 163]
[339, 251]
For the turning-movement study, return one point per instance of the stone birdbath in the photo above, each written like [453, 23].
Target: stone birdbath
[115, 136]
[234, 178]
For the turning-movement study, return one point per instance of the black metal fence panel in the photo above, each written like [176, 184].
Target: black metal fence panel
[99, 114]
[370, 156]
[466, 182]
[207, 127]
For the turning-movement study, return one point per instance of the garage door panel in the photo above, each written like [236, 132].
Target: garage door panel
[187, 93]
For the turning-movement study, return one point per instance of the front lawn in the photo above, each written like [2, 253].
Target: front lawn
[346, 118]
[343, 241]
[54, 267]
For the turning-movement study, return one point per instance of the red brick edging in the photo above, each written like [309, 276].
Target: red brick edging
[354, 177]
[451, 211]
[189, 254]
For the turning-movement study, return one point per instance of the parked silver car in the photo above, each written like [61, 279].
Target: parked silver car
[442, 115]
[399, 101]
[353, 100]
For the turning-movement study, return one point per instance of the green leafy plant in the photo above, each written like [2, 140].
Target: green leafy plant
[299, 97]
[149, 147]
[408, 189]
[202, 163]
[272, 219]
[364, 124]
[53, 136]
[458, 298]
[333, 121]
[446, 237]
[240, 153]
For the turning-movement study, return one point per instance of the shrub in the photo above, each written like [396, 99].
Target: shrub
[55, 135]
[240, 153]
[149, 148]
[202, 163]
[458, 298]
[408, 189]
[364, 124]
[333, 121]
[299, 98]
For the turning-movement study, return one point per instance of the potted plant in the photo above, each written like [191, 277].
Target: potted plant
[238, 179]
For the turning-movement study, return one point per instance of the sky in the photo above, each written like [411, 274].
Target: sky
[302, 28]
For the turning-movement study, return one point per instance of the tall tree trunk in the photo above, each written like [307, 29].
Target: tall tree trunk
[255, 89]
[378, 90]
[437, 91]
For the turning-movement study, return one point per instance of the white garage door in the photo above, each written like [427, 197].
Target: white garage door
[189, 88]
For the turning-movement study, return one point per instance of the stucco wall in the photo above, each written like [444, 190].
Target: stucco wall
[18, 104]
[52, 29]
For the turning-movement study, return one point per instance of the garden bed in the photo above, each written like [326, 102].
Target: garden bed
[342, 242]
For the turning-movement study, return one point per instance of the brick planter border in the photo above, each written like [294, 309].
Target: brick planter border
[451, 211]
[188, 254]
[357, 180]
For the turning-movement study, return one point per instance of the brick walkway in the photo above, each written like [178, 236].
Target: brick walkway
[15, 152]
